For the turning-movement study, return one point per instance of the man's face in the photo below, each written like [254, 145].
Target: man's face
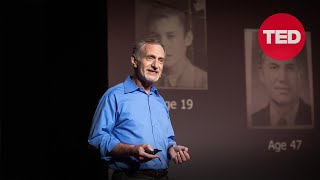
[281, 79]
[150, 64]
[171, 32]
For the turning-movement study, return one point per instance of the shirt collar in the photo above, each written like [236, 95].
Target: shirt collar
[289, 117]
[131, 86]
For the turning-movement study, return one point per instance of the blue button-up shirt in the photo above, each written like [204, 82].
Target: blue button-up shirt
[127, 114]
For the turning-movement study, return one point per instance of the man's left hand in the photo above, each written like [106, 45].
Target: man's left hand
[179, 154]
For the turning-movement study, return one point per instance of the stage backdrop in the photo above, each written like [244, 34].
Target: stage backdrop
[214, 119]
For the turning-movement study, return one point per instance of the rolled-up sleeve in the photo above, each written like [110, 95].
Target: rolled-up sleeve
[103, 122]
[171, 140]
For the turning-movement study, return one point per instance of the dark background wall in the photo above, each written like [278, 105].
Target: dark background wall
[54, 69]
[55, 66]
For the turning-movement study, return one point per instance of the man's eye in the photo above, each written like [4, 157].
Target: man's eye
[154, 35]
[291, 67]
[171, 36]
[150, 58]
[273, 67]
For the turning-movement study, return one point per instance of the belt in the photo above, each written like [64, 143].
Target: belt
[160, 173]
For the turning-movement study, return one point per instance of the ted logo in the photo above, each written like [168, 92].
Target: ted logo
[281, 36]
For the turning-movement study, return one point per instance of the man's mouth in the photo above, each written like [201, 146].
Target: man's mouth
[282, 89]
[153, 72]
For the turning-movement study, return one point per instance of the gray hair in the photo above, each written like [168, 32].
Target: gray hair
[138, 50]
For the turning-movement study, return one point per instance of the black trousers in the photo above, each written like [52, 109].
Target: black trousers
[122, 175]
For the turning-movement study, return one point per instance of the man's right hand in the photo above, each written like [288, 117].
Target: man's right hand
[138, 152]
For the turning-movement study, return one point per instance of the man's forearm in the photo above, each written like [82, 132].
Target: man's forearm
[123, 150]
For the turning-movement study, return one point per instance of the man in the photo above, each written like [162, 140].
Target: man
[172, 27]
[282, 81]
[132, 118]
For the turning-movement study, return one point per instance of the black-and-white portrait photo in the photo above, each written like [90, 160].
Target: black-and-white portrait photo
[279, 92]
[181, 26]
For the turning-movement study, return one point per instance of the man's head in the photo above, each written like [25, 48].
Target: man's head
[172, 27]
[147, 59]
[282, 79]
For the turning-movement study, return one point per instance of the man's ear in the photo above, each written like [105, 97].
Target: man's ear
[300, 77]
[134, 61]
[188, 38]
[261, 73]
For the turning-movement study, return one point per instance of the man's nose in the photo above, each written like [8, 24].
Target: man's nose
[165, 41]
[282, 74]
[156, 63]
